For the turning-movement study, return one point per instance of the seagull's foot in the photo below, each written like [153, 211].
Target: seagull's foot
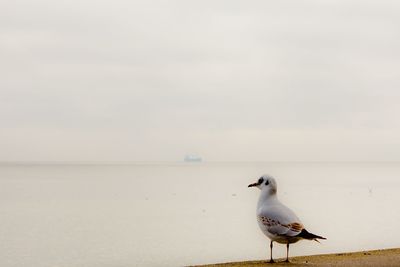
[287, 260]
[271, 261]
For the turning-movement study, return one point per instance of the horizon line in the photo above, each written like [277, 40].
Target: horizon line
[145, 162]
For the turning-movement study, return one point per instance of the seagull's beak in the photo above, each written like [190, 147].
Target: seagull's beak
[251, 185]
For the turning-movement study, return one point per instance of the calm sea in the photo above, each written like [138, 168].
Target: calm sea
[184, 214]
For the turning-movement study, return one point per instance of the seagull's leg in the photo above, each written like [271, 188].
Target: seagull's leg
[287, 252]
[271, 260]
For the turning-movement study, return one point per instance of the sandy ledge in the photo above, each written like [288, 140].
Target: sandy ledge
[384, 257]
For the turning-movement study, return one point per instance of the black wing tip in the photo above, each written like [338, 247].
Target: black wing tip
[307, 235]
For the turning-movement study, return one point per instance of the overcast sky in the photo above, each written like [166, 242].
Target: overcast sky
[85, 80]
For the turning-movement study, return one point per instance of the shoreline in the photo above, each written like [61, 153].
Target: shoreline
[382, 257]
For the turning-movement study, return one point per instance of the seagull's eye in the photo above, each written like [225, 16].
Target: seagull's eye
[260, 180]
[267, 182]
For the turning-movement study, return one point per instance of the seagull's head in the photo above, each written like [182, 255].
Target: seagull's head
[265, 182]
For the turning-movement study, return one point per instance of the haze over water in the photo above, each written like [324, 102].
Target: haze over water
[176, 214]
[232, 81]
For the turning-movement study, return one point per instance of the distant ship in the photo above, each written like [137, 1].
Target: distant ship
[192, 158]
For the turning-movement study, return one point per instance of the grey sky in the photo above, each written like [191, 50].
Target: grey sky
[230, 80]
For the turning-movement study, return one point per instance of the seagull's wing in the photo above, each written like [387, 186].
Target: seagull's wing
[280, 220]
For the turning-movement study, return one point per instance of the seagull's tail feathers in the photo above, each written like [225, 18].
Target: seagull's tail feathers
[307, 235]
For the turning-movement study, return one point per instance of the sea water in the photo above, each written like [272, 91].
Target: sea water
[176, 214]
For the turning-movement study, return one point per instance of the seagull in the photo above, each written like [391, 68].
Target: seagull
[276, 221]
